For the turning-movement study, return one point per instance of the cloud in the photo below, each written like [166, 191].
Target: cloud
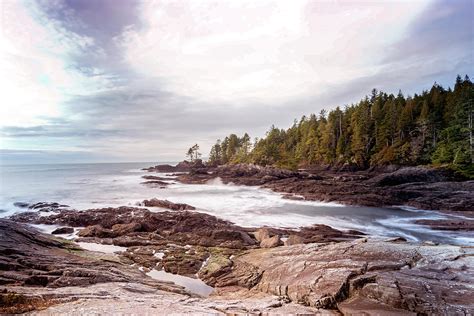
[137, 81]
[36, 65]
[261, 51]
[442, 30]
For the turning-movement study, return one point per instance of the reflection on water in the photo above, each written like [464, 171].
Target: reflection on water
[101, 248]
[195, 286]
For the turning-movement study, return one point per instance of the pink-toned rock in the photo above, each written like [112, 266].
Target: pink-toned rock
[122, 229]
[385, 276]
[96, 231]
[271, 242]
[293, 240]
[261, 234]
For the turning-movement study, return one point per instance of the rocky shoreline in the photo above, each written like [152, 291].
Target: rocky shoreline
[260, 270]
[419, 187]
[252, 270]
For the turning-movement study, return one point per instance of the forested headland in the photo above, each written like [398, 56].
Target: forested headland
[432, 127]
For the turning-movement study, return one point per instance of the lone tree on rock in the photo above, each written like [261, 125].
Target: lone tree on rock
[193, 152]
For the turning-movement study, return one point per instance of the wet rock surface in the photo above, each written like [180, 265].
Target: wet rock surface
[156, 181]
[31, 259]
[179, 242]
[448, 224]
[129, 226]
[155, 184]
[63, 230]
[184, 243]
[320, 270]
[133, 226]
[167, 204]
[48, 206]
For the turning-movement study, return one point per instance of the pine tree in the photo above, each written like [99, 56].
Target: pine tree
[435, 126]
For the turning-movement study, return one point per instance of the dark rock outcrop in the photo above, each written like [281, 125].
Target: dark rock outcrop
[21, 204]
[48, 206]
[448, 224]
[410, 175]
[156, 184]
[30, 258]
[183, 239]
[245, 174]
[167, 204]
[320, 267]
[148, 177]
[419, 187]
[129, 226]
[183, 166]
[63, 230]
[155, 181]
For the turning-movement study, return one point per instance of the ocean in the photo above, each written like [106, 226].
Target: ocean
[85, 186]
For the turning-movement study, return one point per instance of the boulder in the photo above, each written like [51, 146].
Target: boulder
[21, 204]
[47, 206]
[96, 231]
[261, 234]
[63, 230]
[294, 240]
[123, 229]
[155, 183]
[232, 235]
[271, 242]
[167, 204]
[148, 177]
[215, 266]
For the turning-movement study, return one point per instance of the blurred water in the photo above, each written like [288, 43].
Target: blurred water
[78, 185]
[85, 186]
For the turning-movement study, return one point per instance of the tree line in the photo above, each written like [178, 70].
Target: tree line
[433, 127]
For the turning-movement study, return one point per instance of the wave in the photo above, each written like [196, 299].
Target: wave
[115, 185]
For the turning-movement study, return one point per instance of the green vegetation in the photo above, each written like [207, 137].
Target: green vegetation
[193, 152]
[434, 127]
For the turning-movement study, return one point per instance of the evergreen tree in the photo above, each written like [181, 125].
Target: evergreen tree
[193, 152]
[435, 126]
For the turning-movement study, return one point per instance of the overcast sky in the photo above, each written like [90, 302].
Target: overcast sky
[126, 80]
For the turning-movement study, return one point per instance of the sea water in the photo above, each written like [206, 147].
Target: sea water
[85, 186]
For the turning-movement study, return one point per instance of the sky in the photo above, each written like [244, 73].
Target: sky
[130, 80]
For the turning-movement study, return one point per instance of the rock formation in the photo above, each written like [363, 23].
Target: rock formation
[167, 204]
[354, 277]
[320, 270]
[419, 187]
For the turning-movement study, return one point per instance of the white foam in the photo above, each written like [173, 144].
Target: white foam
[159, 255]
[107, 185]
[48, 229]
[101, 248]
